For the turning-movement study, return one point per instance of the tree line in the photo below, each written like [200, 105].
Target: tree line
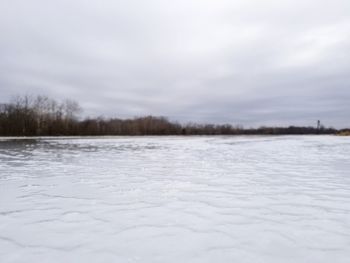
[43, 116]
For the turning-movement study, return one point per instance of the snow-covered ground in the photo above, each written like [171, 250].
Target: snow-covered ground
[175, 199]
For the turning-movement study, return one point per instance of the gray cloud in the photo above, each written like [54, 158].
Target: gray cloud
[243, 62]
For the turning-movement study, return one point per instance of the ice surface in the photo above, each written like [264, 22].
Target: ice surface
[175, 199]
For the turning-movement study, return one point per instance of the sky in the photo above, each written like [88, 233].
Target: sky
[246, 62]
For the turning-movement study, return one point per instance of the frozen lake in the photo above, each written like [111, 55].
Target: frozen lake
[175, 199]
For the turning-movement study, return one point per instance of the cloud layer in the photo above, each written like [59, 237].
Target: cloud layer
[244, 62]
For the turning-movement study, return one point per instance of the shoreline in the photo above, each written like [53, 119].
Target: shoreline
[145, 136]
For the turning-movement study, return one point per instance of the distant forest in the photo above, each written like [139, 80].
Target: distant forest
[42, 116]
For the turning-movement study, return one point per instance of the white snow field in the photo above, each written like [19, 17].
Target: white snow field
[175, 199]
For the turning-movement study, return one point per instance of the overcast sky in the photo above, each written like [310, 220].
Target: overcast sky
[248, 62]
